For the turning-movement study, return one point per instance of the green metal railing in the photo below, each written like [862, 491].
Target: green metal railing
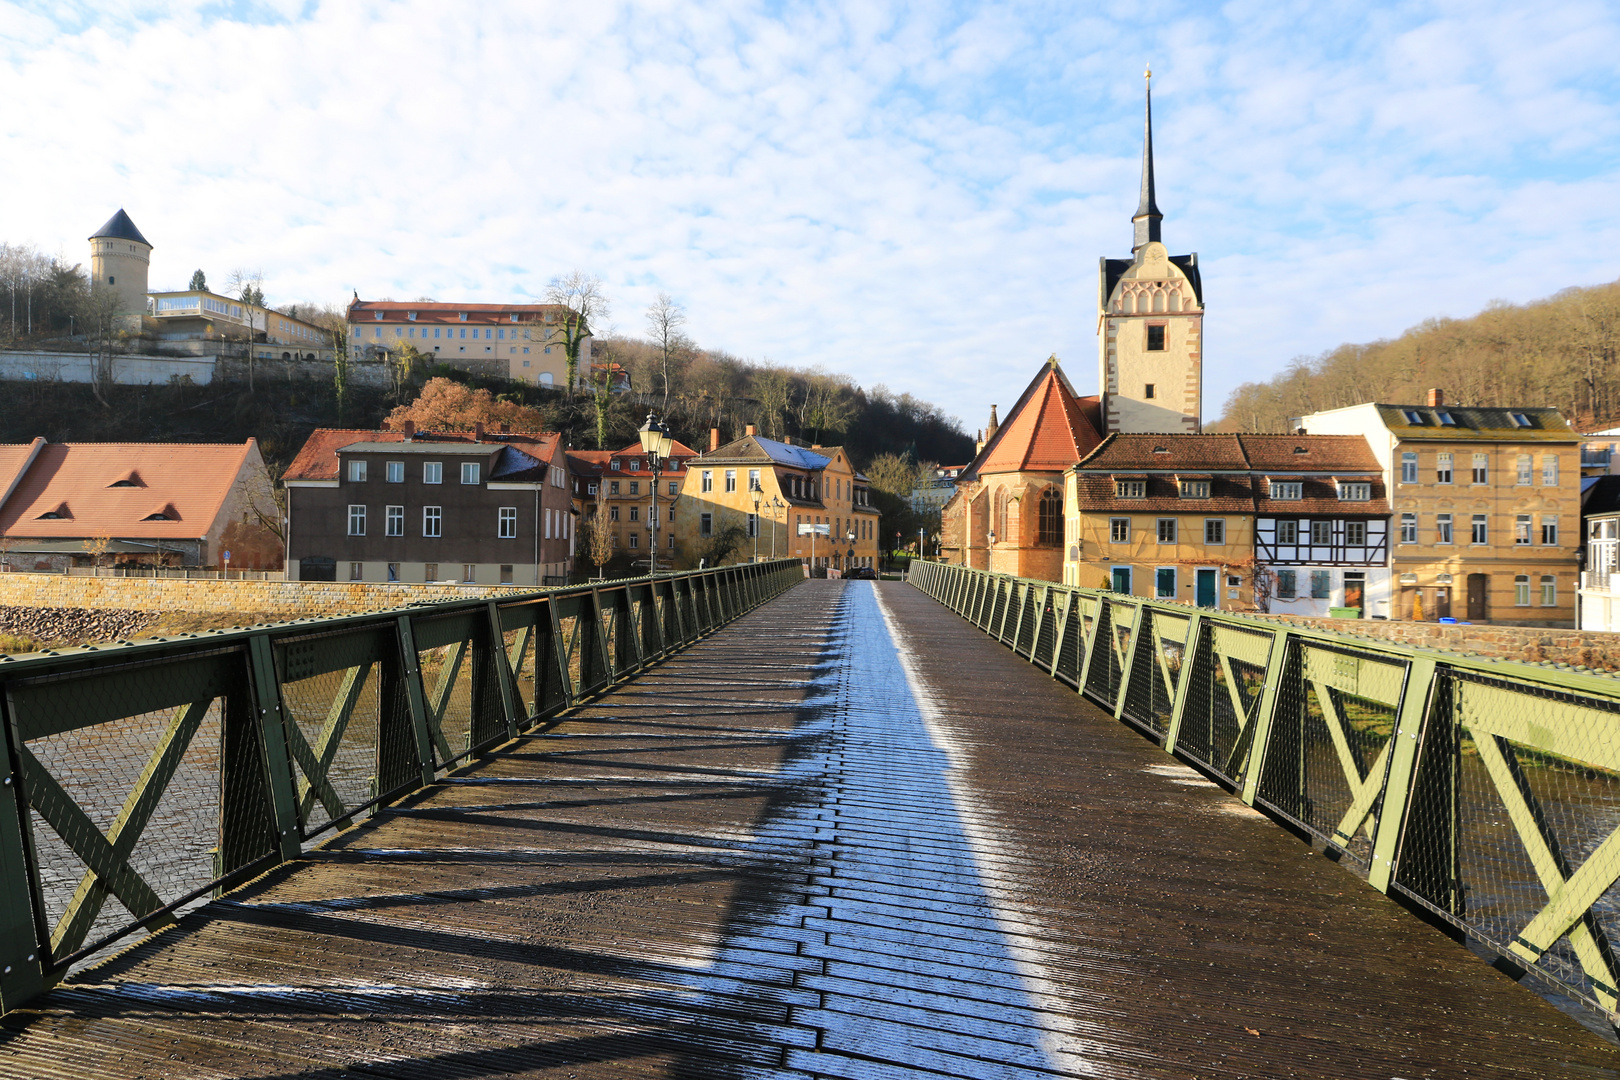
[1485, 792]
[146, 776]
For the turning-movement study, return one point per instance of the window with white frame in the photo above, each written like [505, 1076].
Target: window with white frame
[1355, 491]
[1442, 528]
[432, 520]
[753, 524]
[1549, 470]
[1482, 469]
[731, 479]
[357, 471]
[507, 523]
[1549, 530]
[394, 521]
[1526, 470]
[357, 520]
[1355, 534]
[1476, 530]
[394, 472]
[1409, 528]
[1287, 532]
[1287, 489]
[706, 524]
[1130, 489]
[357, 571]
[1119, 530]
[753, 480]
[469, 472]
[1442, 468]
[1321, 533]
[432, 472]
[1409, 467]
[1195, 489]
[707, 480]
[469, 572]
[1521, 590]
[1549, 590]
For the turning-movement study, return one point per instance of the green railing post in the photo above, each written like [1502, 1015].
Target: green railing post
[1127, 666]
[416, 698]
[1184, 682]
[501, 668]
[1416, 698]
[1265, 716]
[280, 783]
[22, 937]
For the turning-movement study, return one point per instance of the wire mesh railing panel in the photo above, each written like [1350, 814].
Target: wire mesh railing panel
[1046, 634]
[333, 721]
[1512, 829]
[447, 685]
[1071, 645]
[1150, 694]
[1229, 680]
[1027, 614]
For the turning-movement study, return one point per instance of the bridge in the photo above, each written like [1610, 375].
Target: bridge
[735, 823]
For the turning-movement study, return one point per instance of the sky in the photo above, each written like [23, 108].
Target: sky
[915, 195]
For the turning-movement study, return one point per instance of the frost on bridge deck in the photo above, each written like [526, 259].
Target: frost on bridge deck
[845, 837]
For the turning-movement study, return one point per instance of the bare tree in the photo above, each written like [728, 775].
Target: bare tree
[98, 313]
[597, 538]
[585, 304]
[248, 285]
[664, 322]
[773, 389]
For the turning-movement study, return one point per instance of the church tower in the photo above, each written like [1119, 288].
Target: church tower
[1150, 324]
[120, 258]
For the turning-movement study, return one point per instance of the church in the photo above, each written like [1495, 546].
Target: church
[1008, 511]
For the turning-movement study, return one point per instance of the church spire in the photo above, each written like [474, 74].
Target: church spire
[1147, 217]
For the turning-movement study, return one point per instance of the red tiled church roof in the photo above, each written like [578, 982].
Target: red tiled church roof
[1047, 432]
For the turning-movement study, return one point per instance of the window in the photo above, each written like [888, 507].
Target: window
[635, 540]
[705, 524]
[357, 520]
[753, 480]
[635, 513]
[753, 524]
[432, 520]
[1321, 584]
[613, 487]
[1321, 533]
[1195, 489]
[673, 488]
[1287, 489]
[393, 571]
[506, 573]
[1445, 418]
[1521, 529]
[590, 489]
[432, 472]
[1147, 391]
[1155, 339]
[708, 480]
[357, 472]
[468, 571]
[635, 487]
[1119, 530]
[1355, 534]
[430, 572]
[469, 472]
[1049, 512]
[1287, 584]
[1164, 583]
[1482, 469]
[1549, 531]
[357, 571]
[1214, 530]
[394, 521]
[613, 513]
[1130, 489]
[1413, 416]
[1525, 470]
[616, 465]
[1476, 530]
[1167, 530]
[1549, 470]
[731, 479]
[1355, 491]
[1549, 591]
[394, 472]
[507, 526]
[1442, 468]
[1442, 529]
[1521, 590]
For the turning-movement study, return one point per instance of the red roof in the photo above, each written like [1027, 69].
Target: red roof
[318, 458]
[1048, 432]
[433, 313]
[161, 491]
[597, 462]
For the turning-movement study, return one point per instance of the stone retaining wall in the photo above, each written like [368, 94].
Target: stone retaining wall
[1583, 648]
[283, 599]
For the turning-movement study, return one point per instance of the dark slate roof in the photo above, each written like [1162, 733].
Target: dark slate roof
[1113, 268]
[1603, 497]
[119, 227]
[757, 448]
[1547, 424]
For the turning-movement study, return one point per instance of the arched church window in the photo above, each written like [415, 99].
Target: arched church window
[1051, 518]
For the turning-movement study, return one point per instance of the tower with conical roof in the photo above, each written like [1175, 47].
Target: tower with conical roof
[1150, 323]
[121, 258]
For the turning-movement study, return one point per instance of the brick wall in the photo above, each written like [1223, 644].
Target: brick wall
[1581, 648]
[282, 599]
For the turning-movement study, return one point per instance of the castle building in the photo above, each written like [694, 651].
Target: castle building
[121, 259]
[1150, 325]
[522, 342]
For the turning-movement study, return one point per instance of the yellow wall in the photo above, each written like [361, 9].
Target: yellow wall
[1126, 365]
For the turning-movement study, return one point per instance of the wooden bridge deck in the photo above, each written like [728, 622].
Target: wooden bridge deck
[847, 837]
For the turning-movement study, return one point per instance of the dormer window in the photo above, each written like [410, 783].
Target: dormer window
[411, 315]
[513, 318]
[1519, 419]
[1354, 491]
[1160, 450]
[1130, 489]
[1446, 419]
[1195, 489]
[1300, 450]
[377, 315]
[463, 316]
[615, 465]
[1413, 416]
[61, 513]
[128, 480]
[1287, 489]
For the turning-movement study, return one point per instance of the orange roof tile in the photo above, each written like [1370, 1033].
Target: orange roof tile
[116, 489]
[1048, 432]
[318, 458]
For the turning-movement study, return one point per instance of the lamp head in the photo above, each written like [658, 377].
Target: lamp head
[655, 438]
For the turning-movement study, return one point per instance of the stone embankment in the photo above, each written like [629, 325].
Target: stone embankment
[52, 625]
[1532, 645]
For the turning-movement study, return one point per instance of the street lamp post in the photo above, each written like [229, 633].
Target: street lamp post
[777, 506]
[656, 443]
[756, 525]
[849, 556]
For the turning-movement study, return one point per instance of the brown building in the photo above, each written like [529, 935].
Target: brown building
[624, 479]
[136, 504]
[1007, 513]
[469, 506]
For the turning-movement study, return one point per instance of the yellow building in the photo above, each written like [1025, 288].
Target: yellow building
[636, 513]
[1486, 506]
[752, 495]
[523, 342]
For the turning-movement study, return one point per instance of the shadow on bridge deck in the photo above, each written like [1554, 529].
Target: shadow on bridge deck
[847, 836]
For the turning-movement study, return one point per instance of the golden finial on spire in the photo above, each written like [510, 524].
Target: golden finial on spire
[1148, 74]
[1053, 360]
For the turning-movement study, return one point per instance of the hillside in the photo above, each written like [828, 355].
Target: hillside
[1562, 351]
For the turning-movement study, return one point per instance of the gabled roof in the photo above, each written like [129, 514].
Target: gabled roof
[1314, 453]
[72, 489]
[318, 458]
[1046, 431]
[119, 227]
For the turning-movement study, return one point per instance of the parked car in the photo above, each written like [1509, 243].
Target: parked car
[861, 573]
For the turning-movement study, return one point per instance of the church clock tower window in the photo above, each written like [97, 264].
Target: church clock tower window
[1155, 340]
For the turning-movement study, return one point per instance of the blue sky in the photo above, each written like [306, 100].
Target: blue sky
[912, 194]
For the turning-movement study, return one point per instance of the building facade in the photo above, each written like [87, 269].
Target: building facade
[1485, 508]
[121, 259]
[198, 315]
[523, 342]
[768, 490]
[637, 516]
[473, 507]
[1600, 581]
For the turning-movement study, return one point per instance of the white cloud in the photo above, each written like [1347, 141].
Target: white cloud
[913, 194]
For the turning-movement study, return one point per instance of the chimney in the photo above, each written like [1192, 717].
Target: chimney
[1437, 398]
[750, 429]
[714, 439]
[815, 446]
[787, 440]
[478, 431]
[506, 428]
[409, 427]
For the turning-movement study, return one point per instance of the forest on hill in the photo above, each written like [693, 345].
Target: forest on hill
[1562, 351]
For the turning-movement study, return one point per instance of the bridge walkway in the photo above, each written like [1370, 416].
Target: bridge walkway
[845, 837]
